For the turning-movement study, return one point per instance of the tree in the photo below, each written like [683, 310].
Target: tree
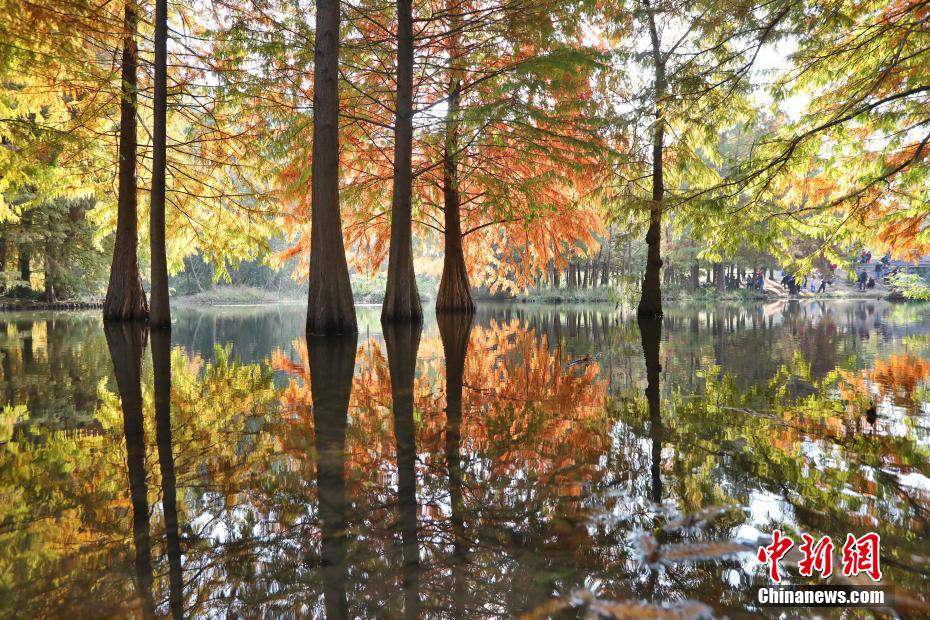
[161, 310]
[698, 66]
[650, 301]
[454, 287]
[330, 308]
[62, 90]
[401, 299]
[526, 159]
[520, 151]
[852, 166]
[125, 299]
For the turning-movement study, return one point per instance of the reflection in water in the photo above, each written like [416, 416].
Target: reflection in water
[454, 331]
[476, 468]
[402, 341]
[161, 365]
[127, 343]
[651, 333]
[332, 363]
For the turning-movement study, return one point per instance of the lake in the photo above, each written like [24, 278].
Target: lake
[538, 460]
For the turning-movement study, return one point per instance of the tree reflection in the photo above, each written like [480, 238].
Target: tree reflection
[468, 470]
[454, 330]
[126, 342]
[331, 365]
[651, 333]
[161, 365]
[402, 341]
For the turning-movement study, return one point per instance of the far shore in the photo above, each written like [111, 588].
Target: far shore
[269, 299]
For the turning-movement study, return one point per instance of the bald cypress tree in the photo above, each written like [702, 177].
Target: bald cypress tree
[330, 309]
[125, 298]
[161, 310]
[401, 298]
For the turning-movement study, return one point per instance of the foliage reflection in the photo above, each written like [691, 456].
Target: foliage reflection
[468, 467]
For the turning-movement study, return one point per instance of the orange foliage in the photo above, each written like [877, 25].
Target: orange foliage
[529, 165]
[523, 408]
[897, 378]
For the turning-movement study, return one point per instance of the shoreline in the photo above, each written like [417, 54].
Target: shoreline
[19, 305]
[22, 305]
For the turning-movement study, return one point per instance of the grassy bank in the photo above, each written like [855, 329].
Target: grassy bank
[231, 295]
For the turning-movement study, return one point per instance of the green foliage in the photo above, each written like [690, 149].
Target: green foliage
[910, 286]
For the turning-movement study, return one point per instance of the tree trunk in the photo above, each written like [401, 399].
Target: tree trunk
[555, 277]
[454, 293]
[50, 294]
[52, 286]
[330, 308]
[3, 256]
[720, 277]
[608, 259]
[25, 263]
[401, 299]
[160, 312]
[650, 302]
[695, 275]
[125, 299]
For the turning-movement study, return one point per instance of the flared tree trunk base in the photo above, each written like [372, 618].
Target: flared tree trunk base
[336, 316]
[402, 300]
[454, 294]
[125, 301]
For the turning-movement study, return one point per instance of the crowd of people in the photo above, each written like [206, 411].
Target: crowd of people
[859, 275]
[790, 282]
[755, 281]
[883, 271]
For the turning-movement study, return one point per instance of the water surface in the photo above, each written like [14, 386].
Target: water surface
[536, 460]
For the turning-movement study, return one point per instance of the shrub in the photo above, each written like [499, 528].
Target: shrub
[909, 286]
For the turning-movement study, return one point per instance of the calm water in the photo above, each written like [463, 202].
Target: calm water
[538, 460]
